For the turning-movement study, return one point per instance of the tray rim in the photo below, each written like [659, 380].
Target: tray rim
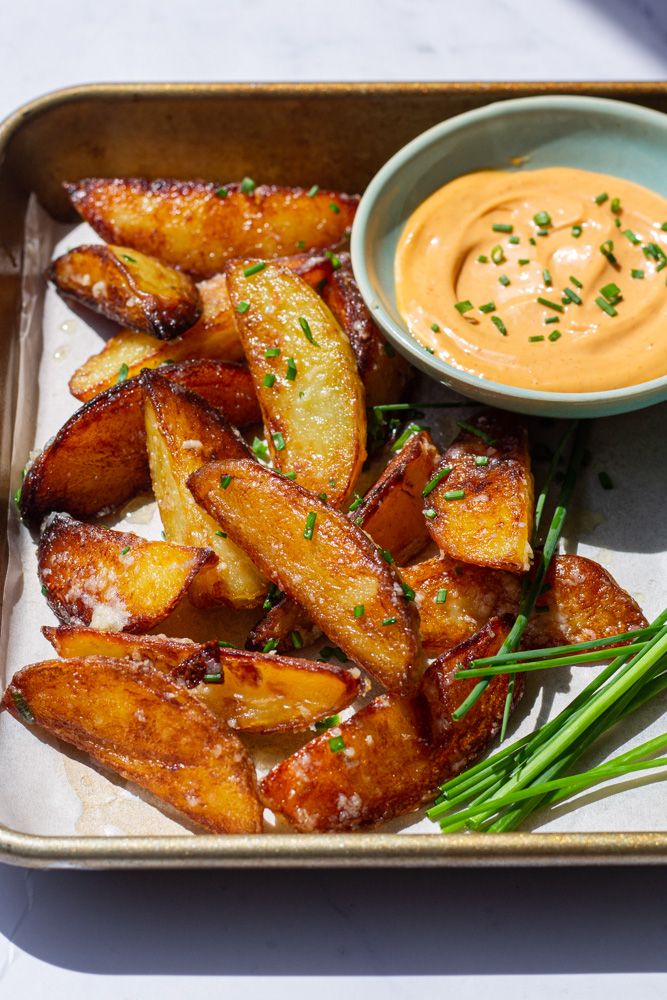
[353, 850]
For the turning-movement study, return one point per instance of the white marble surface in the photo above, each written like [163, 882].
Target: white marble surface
[511, 933]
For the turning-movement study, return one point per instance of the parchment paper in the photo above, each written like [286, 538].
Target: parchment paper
[49, 789]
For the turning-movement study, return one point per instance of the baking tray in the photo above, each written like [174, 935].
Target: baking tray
[285, 133]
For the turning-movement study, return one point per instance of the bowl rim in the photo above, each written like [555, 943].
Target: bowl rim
[399, 336]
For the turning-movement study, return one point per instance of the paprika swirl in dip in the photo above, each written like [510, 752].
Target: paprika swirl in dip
[550, 279]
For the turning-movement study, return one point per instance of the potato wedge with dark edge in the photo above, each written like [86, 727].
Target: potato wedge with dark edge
[286, 625]
[98, 459]
[337, 575]
[147, 728]
[583, 601]
[305, 376]
[184, 432]
[384, 372]
[112, 579]
[258, 693]
[393, 754]
[488, 518]
[198, 226]
[128, 286]
[213, 336]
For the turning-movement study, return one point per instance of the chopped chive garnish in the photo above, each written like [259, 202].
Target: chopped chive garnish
[498, 323]
[429, 350]
[308, 333]
[323, 497]
[261, 449]
[464, 306]
[17, 495]
[213, 678]
[130, 260]
[471, 429]
[435, 328]
[431, 513]
[222, 192]
[514, 240]
[269, 379]
[523, 261]
[542, 232]
[359, 611]
[408, 592]
[554, 335]
[313, 191]
[502, 227]
[324, 724]
[356, 502]
[22, 706]
[221, 534]
[389, 621]
[302, 246]
[532, 241]
[405, 436]
[497, 254]
[601, 198]
[615, 205]
[606, 306]
[572, 296]
[664, 227]
[387, 556]
[637, 272]
[125, 550]
[576, 282]
[278, 441]
[290, 374]
[336, 744]
[577, 231]
[546, 274]
[438, 477]
[481, 460]
[654, 252]
[488, 307]
[550, 305]
[253, 269]
[272, 352]
[607, 250]
[45, 591]
[455, 494]
[310, 525]
[334, 207]
[504, 280]
[224, 482]
[536, 338]
[297, 641]
[605, 481]
[441, 596]
[123, 372]
[611, 292]
[542, 219]
[634, 239]
[248, 185]
[271, 645]
[243, 307]
[618, 223]
[482, 259]
[551, 319]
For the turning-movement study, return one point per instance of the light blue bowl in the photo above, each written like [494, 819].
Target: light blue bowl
[590, 133]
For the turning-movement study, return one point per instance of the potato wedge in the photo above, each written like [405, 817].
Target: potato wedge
[310, 393]
[127, 286]
[198, 226]
[391, 512]
[491, 523]
[184, 432]
[455, 599]
[583, 601]
[384, 372]
[321, 560]
[147, 728]
[257, 694]
[98, 460]
[112, 579]
[384, 761]
[286, 624]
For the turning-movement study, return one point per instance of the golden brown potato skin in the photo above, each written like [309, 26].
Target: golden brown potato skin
[331, 574]
[188, 225]
[129, 287]
[98, 460]
[383, 371]
[74, 642]
[147, 728]
[397, 751]
[492, 524]
[583, 601]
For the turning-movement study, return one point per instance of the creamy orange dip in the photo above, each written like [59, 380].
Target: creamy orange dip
[476, 258]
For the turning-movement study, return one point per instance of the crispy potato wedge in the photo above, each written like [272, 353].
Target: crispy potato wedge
[455, 599]
[257, 694]
[311, 396]
[213, 336]
[384, 373]
[391, 512]
[184, 432]
[112, 579]
[336, 575]
[198, 226]
[583, 602]
[285, 623]
[127, 286]
[394, 752]
[491, 525]
[147, 728]
[98, 460]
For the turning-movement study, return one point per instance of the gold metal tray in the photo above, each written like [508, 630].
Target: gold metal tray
[338, 134]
